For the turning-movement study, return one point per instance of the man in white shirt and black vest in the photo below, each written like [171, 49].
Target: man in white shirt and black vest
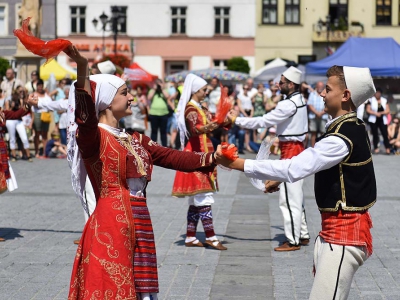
[345, 186]
[290, 116]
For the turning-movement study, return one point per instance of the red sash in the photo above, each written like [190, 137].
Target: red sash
[290, 149]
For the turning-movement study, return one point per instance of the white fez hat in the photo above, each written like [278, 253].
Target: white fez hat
[293, 74]
[359, 83]
[106, 67]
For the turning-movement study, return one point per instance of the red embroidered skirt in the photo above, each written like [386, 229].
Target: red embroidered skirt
[145, 257]
[193, 183]
[4, 157]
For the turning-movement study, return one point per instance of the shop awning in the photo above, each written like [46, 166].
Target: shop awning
[55, 68]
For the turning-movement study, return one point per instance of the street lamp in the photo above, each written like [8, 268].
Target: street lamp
[117, 18]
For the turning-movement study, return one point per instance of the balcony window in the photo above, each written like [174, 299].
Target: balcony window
[178, 20]
[270, 12]
[383, 12]
[78, 19]
[222, 20]
[292, 12]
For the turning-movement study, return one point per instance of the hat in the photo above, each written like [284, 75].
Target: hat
[293, 74]
[360, 84]
[272, 130]
[106, 67]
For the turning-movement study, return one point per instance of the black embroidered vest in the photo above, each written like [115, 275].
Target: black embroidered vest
[349, 185]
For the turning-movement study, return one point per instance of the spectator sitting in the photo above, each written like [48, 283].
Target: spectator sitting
[393, 135]
[54, 148]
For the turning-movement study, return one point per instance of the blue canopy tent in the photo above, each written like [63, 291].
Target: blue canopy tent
[381, 55]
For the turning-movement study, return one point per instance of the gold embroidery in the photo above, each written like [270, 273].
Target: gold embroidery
[347, 208]
[358, 164]
[349, 115]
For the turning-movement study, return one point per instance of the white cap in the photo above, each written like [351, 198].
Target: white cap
[272, 130]
[359, 83]
[293, 74]
[106, 67]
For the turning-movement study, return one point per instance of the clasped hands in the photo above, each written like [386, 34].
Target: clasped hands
[271, 186]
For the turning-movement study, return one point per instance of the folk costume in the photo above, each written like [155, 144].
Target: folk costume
[116, 257]
[7, 177]
[290, 116]
[345, 188]
[199, 187]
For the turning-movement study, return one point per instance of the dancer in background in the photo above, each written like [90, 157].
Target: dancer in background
[194, 122]
[290, 116]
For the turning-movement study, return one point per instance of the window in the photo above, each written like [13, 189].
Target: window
[222, 20]
[78, 19]
[178, 20]
[221, 64]
[338, 12]
[172, 67]
[304, 59]
[270, 12]
[3, 19]
[292, 12]
[383, 12]
[18, 20]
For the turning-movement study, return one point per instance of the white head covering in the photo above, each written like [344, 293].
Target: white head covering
[106, 89]
[192, 84]
[106, 67]
[359, 82]
[293, 74]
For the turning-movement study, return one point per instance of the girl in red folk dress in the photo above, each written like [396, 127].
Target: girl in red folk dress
[194, 121]
[116, 257]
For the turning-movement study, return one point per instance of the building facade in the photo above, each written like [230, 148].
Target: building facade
[162, 36]
[308, 30]
[10, 20]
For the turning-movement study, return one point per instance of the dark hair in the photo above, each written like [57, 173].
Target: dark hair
[15, 101]
[306, 92]
[378, 89]
[215, 79]
[230, 89]
[40, 81]
[338, 72]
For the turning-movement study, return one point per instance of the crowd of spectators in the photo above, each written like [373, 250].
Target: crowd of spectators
[154, 109]
[33, 127]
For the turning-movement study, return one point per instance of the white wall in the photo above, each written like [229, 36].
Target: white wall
[152, 18]
[252, 63]
[152, 64]
[200, 62]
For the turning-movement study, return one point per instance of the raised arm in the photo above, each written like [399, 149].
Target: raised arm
[87, 135]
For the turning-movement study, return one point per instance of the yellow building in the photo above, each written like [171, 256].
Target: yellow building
[297, 29]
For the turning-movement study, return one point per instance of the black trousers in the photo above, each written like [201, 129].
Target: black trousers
[375, 136]
[159, 124]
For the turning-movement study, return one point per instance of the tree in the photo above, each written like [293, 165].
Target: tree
[118, 60]
[238, 64]
[4, 65]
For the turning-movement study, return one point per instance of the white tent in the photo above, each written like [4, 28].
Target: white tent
[277, 62]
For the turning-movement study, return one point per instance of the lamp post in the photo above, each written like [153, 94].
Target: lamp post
[117, 18]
